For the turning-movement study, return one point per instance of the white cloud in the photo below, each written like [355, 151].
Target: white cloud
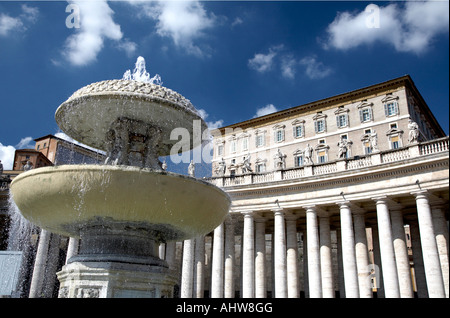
[96, 25]
[7, 152]
[185, 22]
[408, 27]
[315, 69]
[129, 47]
[10, 25]
[264, 62]
[211, 124]
[288, 67]
[26, 143]
[7, 156]
[265, 110]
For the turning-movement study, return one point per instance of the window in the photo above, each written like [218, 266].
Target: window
[260, 167]
[322, 151]
[395, 142]
[365, 111]
[298, 131]
[390, 105]
[342, 120]
[245, 144]
[259, 140]
[320, 124]
[298, 160]
[391, 108]
[341, 117]
[220, 150]
[278, 133]
[365, 114]
[298, 128]
[233, 146]
[321, 156]
[367, 147]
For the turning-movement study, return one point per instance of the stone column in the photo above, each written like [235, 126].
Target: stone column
[390, 277]
[229, 258]
[170, 254]
[40, 262]
[217, 263]
[362, 255]
[419, 271]
[187, 269]
[433, 272]
[378, 267]
[248, 257]
[348, 251]
[280, 254]
[291, 257]
[441, 232]
[312, 232]
[401, 255]
[341, 282]
[326, 262]
[199, 264]
[72, 247]
[260, 257]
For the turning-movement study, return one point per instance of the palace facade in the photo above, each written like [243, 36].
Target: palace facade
[342, 197]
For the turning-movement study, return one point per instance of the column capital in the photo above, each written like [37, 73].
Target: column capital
[247, 214]
[278, 211]
[343, 203]
[380, 198]
[420, 193]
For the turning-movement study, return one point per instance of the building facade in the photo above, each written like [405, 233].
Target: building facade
[343, 197]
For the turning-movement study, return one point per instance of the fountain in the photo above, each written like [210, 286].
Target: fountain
[122, 209]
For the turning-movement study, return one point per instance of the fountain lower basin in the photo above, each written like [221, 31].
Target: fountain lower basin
[71, 199]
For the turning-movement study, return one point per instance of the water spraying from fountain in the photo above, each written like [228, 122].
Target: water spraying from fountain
[140, 74]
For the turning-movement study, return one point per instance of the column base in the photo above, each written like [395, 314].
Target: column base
[115, 280]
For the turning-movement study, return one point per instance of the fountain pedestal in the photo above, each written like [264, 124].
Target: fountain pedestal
[115, 280]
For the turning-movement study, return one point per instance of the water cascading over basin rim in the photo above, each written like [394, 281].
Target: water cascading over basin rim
[87, 115]
[65, 199]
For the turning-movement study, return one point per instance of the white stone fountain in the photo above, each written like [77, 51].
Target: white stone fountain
[123, 209]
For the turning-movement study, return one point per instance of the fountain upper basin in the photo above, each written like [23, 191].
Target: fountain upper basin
[88, 114]
[65, 199]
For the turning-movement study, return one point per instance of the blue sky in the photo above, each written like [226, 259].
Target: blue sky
[233, 59]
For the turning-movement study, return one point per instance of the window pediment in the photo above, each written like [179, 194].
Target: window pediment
[389, 98]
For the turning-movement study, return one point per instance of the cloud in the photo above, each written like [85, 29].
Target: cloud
[26, 143]
[184, 22]
[409, 27]
[278, 58]
[264, 62]
[7, 156]
[96, 25]
[288, 67]
[11, 25]
[265, 110]
[211, 124]
[7, 152]
[315, 69]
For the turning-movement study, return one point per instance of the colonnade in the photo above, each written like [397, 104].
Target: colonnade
[389, 271]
